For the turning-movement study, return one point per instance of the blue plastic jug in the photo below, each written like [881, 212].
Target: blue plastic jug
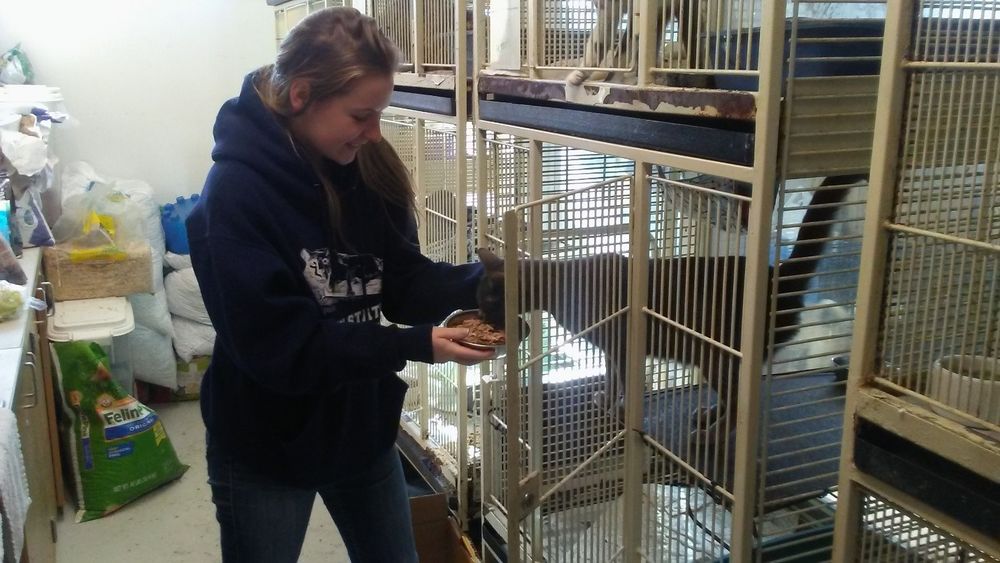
[173, 217]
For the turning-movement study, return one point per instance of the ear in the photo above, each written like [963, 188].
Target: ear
[489, 260]
[298, 94]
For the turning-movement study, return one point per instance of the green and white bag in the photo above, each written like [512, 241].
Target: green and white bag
[118, 447]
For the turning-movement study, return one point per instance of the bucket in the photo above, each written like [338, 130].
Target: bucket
[968, 383]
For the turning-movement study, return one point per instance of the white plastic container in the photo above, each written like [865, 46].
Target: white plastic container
[104, 321]
[968, 383]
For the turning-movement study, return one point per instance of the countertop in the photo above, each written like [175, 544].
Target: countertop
[15, 331]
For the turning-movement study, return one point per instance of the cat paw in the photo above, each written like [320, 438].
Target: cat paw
[576, 78]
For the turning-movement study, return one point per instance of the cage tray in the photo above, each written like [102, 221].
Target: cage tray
[441, 102]
[966, 496]
[709, 138]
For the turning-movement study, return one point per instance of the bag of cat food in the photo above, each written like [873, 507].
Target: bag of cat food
[117, 446]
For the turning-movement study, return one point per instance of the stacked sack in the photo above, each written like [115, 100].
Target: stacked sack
[193, 332]
[151, 340]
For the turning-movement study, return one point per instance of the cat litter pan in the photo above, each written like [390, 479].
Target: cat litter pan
[104, 321]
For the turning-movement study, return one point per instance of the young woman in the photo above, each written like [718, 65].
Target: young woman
[304, 236]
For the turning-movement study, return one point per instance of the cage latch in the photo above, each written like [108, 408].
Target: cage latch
[530, 491]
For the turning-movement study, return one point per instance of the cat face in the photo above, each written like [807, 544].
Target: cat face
[490, 293]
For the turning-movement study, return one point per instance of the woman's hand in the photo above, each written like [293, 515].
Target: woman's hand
[447, 350]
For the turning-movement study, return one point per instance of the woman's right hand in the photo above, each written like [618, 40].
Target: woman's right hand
[446, 349]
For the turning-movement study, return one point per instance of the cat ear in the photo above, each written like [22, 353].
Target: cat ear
[490, 260]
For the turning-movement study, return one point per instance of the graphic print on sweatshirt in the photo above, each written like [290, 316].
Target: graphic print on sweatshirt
[347, 286]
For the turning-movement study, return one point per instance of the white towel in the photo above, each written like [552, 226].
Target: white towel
[13, 481]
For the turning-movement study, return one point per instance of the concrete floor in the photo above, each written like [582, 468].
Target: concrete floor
[177, 521]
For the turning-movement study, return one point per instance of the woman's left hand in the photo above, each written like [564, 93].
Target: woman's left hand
[447, 350]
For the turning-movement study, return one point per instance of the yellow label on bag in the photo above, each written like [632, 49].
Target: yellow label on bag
[103, 222]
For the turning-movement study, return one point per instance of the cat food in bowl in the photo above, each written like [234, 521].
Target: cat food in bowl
[482, 335]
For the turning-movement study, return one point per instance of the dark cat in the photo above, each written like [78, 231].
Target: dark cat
[576, 293]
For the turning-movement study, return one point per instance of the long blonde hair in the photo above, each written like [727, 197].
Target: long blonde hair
[332, 49]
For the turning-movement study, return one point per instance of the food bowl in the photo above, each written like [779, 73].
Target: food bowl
[968, 383]
[499, 349]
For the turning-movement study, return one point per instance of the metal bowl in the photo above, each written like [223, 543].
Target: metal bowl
[499, 350]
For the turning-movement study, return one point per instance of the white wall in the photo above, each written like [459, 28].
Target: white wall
[142, 79]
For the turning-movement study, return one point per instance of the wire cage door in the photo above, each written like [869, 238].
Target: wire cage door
[927, 349]
[556, 434]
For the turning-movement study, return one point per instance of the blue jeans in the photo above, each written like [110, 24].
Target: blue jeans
[265, 521]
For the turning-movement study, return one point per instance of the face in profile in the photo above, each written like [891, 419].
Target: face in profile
[338, 127]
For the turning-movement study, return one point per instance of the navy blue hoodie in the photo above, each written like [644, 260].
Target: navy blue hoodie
[302, 383]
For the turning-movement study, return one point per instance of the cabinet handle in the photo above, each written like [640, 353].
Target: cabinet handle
[50, 306]
[34, 386]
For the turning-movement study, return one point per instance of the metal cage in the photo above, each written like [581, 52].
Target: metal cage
[582, 467]
[924, 393]
[708, 44]
[433, 37]
[892, 534]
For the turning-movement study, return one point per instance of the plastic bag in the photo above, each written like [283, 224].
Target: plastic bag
[141, 194]
[98, 223]
[184, 296]
[158, 365]
[15, 68]
[192, 338]
[14, 299]
[30, 220]
[10, 268]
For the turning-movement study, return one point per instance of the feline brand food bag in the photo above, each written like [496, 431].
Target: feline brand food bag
[118, 447]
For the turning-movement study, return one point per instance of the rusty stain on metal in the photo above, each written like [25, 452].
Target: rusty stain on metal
[685, 101]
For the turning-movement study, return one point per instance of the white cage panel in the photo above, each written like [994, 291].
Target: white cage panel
[400, 131]
[803, 394]
[434, 412]
[891, 534]
[695, 304]
[438, 33]
[925, 384]
[395, 19]
[445, 211]
[504, 164]
[425, 32]
[692, 310]
[570, 433]
[940, 334]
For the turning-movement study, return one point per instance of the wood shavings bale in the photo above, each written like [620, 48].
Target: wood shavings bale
[99, 277]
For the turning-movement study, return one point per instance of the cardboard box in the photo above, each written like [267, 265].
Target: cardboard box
[98, 277]
[189, 375]
[437, 535]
